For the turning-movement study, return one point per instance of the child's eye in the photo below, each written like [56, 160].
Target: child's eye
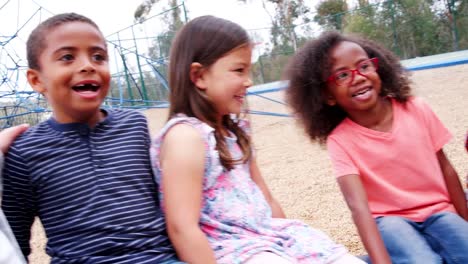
[66, 57]
[99, 57]
[364, 66]
[241, 70]
[342, 75]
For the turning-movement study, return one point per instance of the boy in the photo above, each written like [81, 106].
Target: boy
[85, 172]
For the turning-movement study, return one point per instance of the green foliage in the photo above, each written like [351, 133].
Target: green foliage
[330, 14]
[408, 27]
[283, 37]
[269, 67]
[366, 22]
[145, 83]
[161, 44]
[416, 29]
[287, 13]
[453, 22]
[462, 23]
[143, 10]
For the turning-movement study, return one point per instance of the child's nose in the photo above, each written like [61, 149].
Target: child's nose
[357, 77]
[87, 65]
[248, 83]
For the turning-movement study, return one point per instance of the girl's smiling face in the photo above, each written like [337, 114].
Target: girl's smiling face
[361, 92]
[225, 82]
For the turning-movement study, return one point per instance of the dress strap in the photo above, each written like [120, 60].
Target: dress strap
[212, 162]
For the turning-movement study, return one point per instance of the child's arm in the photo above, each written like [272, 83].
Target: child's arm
[454, 187]
[9, 252]
[356, 198]
[182, 162]
[18, 201]
[276, 210]
[8, 135]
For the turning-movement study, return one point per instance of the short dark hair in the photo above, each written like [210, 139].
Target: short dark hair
[311, 65]
[36, 43]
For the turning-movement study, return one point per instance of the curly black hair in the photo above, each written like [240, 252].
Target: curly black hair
[308, 69]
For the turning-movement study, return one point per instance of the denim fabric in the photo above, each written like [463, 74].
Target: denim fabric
[441, 238]
[365, 258]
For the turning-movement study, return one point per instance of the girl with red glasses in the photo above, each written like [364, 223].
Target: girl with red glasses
[386, 148]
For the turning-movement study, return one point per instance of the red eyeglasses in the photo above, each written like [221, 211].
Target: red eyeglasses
[346, 77]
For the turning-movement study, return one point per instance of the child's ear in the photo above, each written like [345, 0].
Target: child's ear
[331, 101]
[34, 80]
[196, 75]
[328, 98]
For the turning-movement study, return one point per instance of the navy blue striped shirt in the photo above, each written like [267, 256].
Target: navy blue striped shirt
[93, 190]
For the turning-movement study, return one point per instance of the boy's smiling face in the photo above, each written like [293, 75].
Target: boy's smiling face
[74, 72]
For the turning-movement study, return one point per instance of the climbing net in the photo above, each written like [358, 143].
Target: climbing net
[18, 103]
[138, 54]
[138, 63]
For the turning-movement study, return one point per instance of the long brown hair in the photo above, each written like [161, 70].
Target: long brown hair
[205, 40]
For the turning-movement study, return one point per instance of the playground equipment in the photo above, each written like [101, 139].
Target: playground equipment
[139, 57]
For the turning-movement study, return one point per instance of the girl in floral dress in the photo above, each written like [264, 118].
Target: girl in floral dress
[218, 208]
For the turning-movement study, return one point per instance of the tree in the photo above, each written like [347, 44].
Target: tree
[414, 24]
[453, 19]
[143, 10]
[171, 18]
[330, 14]
[365, 21]
[158, 51]
[462, 23]
[288, 14]
[408, 27]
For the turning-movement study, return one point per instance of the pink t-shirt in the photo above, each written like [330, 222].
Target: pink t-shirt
[399, 169]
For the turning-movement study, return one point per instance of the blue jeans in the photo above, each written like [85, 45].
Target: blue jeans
[441, 238]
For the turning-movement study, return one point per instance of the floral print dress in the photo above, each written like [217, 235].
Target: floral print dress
[235, 216]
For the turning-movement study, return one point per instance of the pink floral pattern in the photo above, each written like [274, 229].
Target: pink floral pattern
[235, 216]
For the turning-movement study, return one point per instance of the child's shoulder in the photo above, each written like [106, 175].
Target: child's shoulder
[186, 129]
[194, 122]
[119, 113]
[413, 101]
[126, 119]
[415, 105]
[39, 130]
[182, 135]
[34, 135]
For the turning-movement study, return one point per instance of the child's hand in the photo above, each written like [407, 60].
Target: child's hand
[8, 135]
